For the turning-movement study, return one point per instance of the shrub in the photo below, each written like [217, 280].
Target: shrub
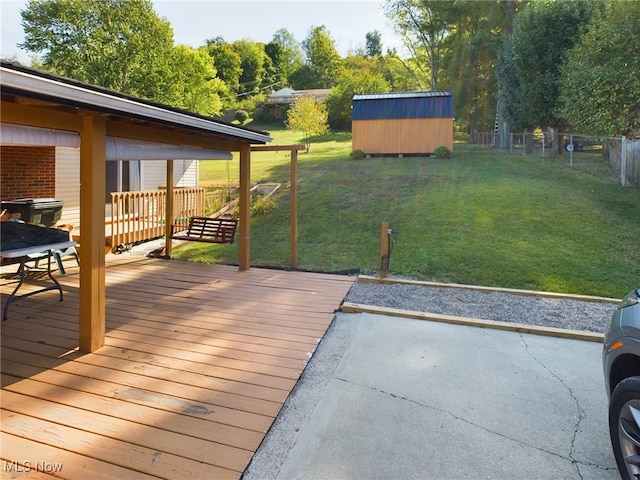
[241, 116]
[261, 205]
[217, 197]
[262, 115]
[358, 155]
[251, 102]
[442, 152]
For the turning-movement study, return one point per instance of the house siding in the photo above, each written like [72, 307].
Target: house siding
[68, 184]
[54, 172]
[154, 174]
[27, 172]
[188, 172]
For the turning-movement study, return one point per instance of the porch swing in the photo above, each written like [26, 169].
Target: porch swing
[215, 229]
[207, 230]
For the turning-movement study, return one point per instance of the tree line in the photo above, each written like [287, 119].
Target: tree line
[534, 64]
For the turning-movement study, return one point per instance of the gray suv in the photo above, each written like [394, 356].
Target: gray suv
[621, 363]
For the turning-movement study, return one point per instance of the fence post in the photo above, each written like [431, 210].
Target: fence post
[571, 151]
[623, 162]
[384, 249]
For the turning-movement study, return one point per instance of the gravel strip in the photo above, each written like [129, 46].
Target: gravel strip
[504, 307]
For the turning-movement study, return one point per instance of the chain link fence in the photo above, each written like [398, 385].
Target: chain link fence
[615, 158]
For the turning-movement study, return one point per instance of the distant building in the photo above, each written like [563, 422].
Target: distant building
[402, 124]
[277, 102]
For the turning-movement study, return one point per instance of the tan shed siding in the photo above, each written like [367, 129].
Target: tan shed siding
[410, 135]
[68, 184]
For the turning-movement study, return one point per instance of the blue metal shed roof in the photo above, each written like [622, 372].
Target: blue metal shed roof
[402, 105]
[381, 96]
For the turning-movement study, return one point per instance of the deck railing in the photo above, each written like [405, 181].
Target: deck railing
[139, 216]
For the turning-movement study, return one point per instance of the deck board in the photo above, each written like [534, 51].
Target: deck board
[197, 362]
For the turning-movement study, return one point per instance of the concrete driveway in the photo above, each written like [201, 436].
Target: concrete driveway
[389, 397]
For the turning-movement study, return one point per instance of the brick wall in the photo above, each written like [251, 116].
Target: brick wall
[27, 172]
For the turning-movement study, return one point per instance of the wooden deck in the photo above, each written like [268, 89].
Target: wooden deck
[197, 363]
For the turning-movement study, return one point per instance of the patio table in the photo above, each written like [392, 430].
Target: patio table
[22, 254]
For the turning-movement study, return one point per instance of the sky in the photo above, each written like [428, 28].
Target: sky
[195, 21]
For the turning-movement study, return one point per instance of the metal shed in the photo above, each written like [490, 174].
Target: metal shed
[411, 123]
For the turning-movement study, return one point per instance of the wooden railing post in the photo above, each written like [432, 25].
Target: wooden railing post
[168, 211]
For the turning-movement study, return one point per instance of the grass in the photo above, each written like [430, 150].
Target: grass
[483, 217]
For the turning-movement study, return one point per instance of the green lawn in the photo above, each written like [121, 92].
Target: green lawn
[483, 217]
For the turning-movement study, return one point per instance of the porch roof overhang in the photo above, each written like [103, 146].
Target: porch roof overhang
[32, 87]
[34, 98]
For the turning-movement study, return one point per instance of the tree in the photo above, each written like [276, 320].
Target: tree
[253, 62]
[542, 36]
[323, 59]
[303, 78]
[455, 45]
[291, 57]
[472, 47]
[275, 53]
[119, 44]
[509, 8]
[401, 74]
[359, 76]
[194, 84]
[309, 116]
[423, 26]
[600, 91]
[210, 42]
[228, 66]
[373, 44]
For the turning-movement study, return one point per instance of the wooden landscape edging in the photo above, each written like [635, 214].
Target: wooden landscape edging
[349, 307]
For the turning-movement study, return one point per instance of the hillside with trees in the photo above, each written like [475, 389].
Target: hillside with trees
[536, 65]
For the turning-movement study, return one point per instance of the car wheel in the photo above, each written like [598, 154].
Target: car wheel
[624, 427]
